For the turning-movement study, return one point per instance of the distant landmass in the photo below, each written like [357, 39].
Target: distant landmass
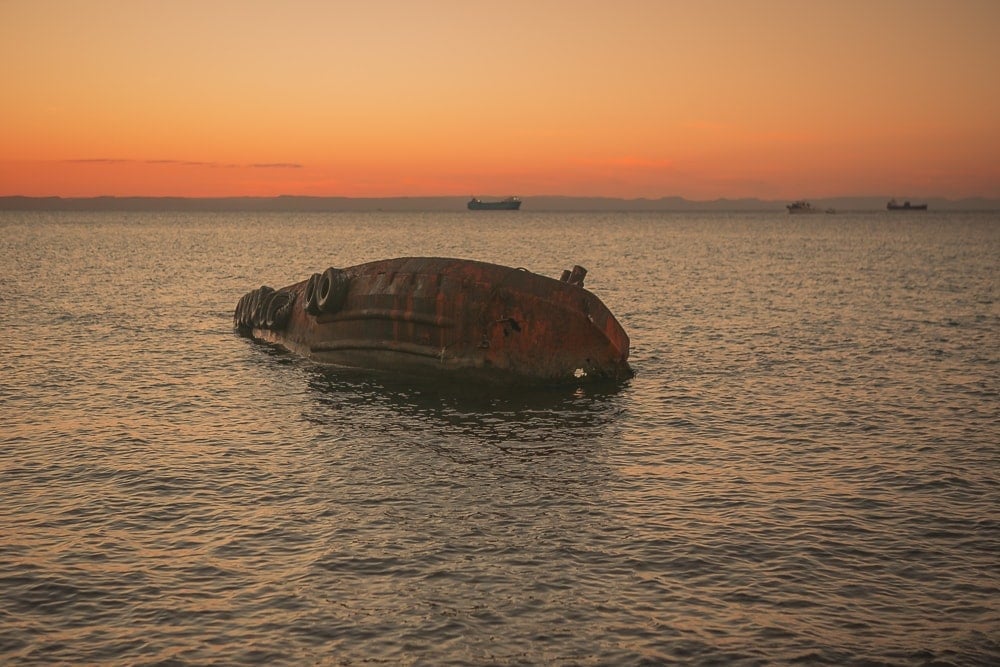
[292, 203]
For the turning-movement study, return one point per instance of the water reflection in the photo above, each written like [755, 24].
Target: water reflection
[490, 413]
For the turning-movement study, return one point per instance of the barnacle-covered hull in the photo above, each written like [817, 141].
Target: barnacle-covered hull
[441, 316]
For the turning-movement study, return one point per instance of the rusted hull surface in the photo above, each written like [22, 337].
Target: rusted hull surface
[451, 316]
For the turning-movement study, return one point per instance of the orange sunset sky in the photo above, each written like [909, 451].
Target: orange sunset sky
[776, 99]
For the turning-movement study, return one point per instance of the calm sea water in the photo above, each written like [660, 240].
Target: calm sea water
[805, 469]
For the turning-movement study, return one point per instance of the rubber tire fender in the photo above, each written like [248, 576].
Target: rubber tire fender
[238, 312]
[332, 290]
[259, 306]
[276, 314]
[246, 308]
[260, 315]
[312, 292]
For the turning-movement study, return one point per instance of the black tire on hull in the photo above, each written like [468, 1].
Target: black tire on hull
[332, 290]
[278, 311]
[257, 304]
[260, 313]
[238, 312]
[244, 309]
[312, 292]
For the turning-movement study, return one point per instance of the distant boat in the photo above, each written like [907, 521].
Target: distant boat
[508, 204]
[802, 206]
[893, 205]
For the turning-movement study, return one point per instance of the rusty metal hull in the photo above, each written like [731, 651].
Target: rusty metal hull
[441, 316]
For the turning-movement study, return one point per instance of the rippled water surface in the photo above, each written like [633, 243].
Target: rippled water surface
[806, 467]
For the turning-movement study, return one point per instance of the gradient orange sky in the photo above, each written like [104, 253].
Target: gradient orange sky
[777, 99]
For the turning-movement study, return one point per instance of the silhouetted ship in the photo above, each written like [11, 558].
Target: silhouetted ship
[803, 206]
[893, 205]
[508, 204]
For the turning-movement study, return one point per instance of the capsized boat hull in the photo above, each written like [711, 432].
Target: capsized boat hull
[441, 316]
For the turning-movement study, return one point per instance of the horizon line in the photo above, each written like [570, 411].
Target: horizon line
[456, 203]
[522, 197]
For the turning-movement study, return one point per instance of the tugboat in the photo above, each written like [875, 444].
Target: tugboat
[508, 204]
[436, 316]
[893, 205]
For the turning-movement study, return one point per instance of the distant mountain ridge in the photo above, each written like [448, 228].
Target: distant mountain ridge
[292, 203]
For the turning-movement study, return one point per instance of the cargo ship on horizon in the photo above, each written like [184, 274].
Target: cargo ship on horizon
[508, 204]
